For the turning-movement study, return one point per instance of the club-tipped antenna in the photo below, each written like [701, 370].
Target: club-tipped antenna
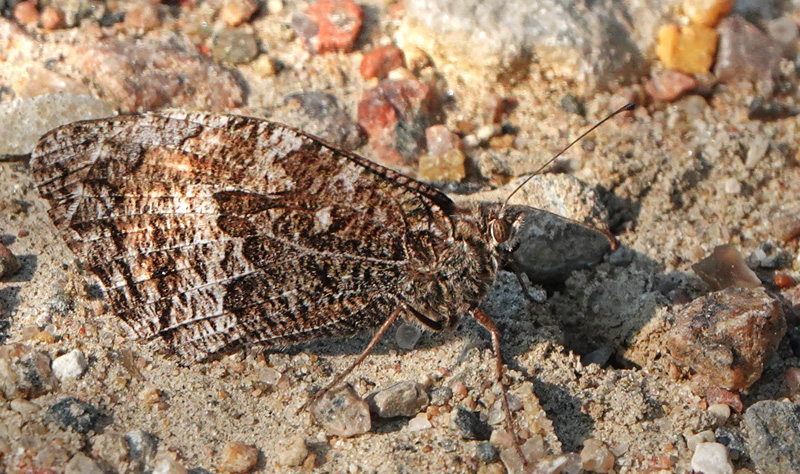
[625, 108]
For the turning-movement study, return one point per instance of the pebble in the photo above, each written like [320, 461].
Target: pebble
[143, 447]
[768, 111]
[71, 413]
[406, 106]
[406, 398]
[24, 372]
[486, 452]
[599, 356]
[274, 7]
[293, 451]
[380, 61]
[727, 336]
[692, 441]
[82, 464]
[441, 395]
[234, 46]
[236, 12]
[773, 436]
[407, 335]
[792, 378]
[24, 407]
[745, 52]
[720, 395]
[725, 268]
[439, 140]
[149, 394]
[329, 25]
[111, 446]
[71, 365]
[733, 186]
[268, 376]
[596, 457]
[147, 75]
[26, 13]
[707, 12]
[419, 423]
[52, 18]
[733, 439]
[238, 458]
[711, 458]
[451, 166]
[469, 425]
[535, 455]
[324, 118]
[757, 150]
[342, 413]
[689, 49]
[668, 85]
[169, 465]
[720, 412]
[9, 263]
[142, 16]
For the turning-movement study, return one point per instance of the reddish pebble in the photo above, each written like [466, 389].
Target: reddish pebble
[26, 12]
[329, 25]
[142, 16]
[783, 280]
[52, 18]
[379, 61]
[238, 458]
[716, 395]
[792, 379]
[666, 86]
[236, 12]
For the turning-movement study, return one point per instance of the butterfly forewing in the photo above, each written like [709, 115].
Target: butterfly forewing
[214, 230]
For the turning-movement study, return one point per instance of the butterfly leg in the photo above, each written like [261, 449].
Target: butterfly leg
[340, 377]
[485, 321]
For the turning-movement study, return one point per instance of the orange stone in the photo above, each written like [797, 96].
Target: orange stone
[52, 18]
[689, 49]
[26, 13]
[707, 12]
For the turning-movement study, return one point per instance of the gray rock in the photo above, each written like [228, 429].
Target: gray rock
[441, 395]
[469, 425]
[605, 42]
[143, 447]
[71, 413]
[323, 117]
[24, 372]
[773, 430]
[234, 46]
[404, 398]
[342, 413]
[485, 452]
[744, 52]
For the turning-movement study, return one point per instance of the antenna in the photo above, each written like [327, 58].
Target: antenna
[625, 108]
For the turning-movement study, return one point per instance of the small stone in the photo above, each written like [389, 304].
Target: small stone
[469, 424]
[150, 394]
[419, 423]
[234, 46]
[405, 398]
[238, 458]
[769, 111]
[71, 413]
[236, 12]
[745, 52]
[688, 49]
[82, 464]
[71, 365]
[26, 13]
[451, 166]
[758, 149]
[441, 395]
[792, 379]
[342, 413]
[110, 446]
[407, 335]
[9, 264]
[596, 457]
[325, 118]
[733, 186]
[707, 12]
[143, 447]
[598, 356]
[440, 140]
[720, 412]
[773, 435]
[274, 7]
[329, 25]
[711, 458]
[264, 66]
[485, 452]
[733, 439]
[293, 451]
[728, 336]
[24, 407]
[169, 465]
[395, 115]
[268, 376]
[380, 61]
[728, 397]
[24, 372]
[725, 268]
[416, 58]
[52, 18]
[692, 441]
[666, 86]
[142, 16]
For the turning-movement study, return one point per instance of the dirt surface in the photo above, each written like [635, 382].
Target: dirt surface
[672, 176]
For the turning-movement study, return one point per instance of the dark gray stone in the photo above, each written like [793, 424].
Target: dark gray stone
[469, 425]
[71, 413]
[441, 395]
[485, 452]
[773, 430]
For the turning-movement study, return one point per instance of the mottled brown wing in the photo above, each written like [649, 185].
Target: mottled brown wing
[210, 231]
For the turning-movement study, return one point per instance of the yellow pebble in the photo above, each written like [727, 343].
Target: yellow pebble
[689, 49]
[707, 12]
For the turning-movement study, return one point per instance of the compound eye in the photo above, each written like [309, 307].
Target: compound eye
[500, 230]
